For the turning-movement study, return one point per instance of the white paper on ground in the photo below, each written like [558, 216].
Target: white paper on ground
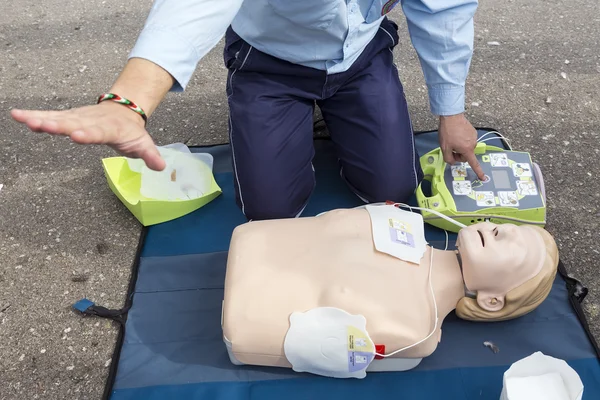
[541, 377]
[397, 232]
[329, 342]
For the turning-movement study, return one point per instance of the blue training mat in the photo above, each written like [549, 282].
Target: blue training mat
[171, 345]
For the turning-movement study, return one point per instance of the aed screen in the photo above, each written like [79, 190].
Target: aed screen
[500, 178]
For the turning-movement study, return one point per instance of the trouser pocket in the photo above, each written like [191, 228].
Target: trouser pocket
[236, 52]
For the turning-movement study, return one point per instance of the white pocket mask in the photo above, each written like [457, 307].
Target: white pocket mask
[330, 342]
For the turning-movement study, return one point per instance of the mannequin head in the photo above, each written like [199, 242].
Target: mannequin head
[510, 267]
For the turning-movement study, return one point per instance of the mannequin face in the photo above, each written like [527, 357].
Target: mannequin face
[498, 258]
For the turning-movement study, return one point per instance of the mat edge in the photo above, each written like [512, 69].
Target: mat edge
[112, 373]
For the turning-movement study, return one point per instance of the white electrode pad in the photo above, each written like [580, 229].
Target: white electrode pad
[397, 232]
[329, 342]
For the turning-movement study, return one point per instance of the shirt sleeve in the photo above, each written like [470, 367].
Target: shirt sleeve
[442, 34]
[179, 33]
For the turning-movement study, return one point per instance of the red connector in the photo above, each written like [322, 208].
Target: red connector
[379, 349]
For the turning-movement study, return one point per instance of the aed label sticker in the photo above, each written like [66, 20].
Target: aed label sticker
[397, 232]
[400, 232]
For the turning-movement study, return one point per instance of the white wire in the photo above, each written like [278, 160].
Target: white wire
[488, 133]
[435, 309]
[461, 225]
[418, 208]
[499, 134]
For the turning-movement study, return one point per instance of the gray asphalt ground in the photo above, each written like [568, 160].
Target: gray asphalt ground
[535, 77]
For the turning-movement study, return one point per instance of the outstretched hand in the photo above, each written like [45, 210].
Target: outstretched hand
[105, 123]
[458, 139]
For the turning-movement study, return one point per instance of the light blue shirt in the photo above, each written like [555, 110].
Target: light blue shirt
[325, 34]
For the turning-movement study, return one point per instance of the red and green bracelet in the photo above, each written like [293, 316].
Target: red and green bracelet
[128, 103]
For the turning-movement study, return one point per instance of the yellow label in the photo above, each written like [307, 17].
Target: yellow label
[400, 225]
[359, 341]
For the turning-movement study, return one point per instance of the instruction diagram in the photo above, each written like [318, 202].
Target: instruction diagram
[485, 199]
[522, 170]
[462, 188]
[499, 160]
[459, 171]
[526, 188]
[400, 232]
[508, 199]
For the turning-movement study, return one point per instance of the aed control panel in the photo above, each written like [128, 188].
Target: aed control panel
[512, 191]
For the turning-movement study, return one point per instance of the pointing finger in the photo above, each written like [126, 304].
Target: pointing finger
[474, 163]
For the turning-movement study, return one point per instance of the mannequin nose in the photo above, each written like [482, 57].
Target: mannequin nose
[491, 227]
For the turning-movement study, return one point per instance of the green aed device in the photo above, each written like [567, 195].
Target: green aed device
[512, 191]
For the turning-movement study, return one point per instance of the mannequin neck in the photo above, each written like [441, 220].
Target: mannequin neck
[448, 283]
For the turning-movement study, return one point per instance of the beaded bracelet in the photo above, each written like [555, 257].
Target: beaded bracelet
[128, 103]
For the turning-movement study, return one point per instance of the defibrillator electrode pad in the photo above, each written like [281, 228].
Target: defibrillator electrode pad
[329, 342]
[397, 232]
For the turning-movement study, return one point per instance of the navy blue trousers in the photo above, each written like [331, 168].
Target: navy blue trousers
[271, 105]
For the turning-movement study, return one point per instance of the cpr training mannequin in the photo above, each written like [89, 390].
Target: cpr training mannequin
[280, 267]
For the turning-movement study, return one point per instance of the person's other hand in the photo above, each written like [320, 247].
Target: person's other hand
[106, 123]
[458, 139]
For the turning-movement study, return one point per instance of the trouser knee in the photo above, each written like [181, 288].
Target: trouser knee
[264, 208]
[398, 186]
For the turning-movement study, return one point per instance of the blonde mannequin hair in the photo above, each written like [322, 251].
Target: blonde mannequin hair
[525, 297]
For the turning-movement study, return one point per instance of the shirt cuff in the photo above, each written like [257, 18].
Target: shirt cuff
[447, 101]
[170, 51]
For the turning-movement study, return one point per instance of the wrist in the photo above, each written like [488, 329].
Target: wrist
[445, 118]
[144, 83]
[115, 98]
[119, 109]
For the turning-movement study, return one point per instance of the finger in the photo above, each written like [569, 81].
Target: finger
[448, 156]
[60, 126]
[24, 115]
[92, 134]
[459, 158]
[152, 157]
[143, 147]
[475, 166]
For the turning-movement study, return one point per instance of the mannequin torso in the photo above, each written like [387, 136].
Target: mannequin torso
[279, 267]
